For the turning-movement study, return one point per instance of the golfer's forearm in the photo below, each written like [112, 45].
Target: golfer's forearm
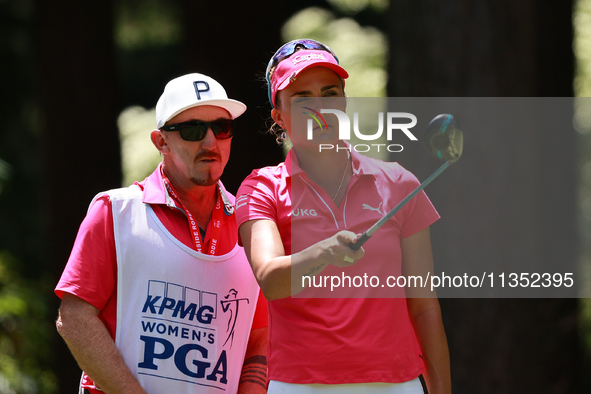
[284, 276]
[281, 277]
[431, 335]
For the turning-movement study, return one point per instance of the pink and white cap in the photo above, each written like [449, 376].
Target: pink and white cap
[288, 69]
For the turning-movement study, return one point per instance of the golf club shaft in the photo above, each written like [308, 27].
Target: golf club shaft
[366, 235]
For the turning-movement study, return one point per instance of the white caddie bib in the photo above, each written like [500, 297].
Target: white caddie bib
[183, 317]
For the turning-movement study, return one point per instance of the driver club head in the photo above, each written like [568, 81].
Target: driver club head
[443, 138]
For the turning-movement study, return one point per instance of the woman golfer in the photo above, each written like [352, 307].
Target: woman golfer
[337, 321]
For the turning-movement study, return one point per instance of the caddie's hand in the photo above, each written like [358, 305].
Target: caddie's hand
[337, 251]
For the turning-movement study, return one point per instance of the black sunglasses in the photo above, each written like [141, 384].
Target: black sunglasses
[195, 130]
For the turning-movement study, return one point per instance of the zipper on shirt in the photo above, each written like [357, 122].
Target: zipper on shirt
[321, 199]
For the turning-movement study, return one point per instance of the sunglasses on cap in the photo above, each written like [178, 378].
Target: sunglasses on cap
[289, 49]
[195, 130]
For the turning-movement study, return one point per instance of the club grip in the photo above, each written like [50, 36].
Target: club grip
[355, 246]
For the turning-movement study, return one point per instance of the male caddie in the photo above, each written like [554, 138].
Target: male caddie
[156, 296]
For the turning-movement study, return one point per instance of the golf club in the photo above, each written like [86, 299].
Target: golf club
[443, 140]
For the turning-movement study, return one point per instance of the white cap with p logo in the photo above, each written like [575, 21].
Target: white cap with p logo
[192, 90]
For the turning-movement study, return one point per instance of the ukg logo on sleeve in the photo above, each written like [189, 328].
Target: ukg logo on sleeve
[181, 336]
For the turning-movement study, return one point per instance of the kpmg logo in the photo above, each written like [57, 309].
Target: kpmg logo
[182, 303]
[179, 334]
[392, 124]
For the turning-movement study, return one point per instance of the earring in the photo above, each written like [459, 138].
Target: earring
[284, 136]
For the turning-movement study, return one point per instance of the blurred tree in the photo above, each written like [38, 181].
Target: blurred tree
[19, 148]
[25, 329]
[503, 48]
[233, 43]
[79, 99]
[148, 38]
[582, 45]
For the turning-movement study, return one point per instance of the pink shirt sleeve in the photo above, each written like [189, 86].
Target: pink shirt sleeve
[91, 271]
[256, 198]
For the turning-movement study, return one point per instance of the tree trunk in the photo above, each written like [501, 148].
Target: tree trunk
[499, 49]
[79, 101]
[233, 46]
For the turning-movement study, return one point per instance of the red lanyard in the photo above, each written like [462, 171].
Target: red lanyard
[216, 219]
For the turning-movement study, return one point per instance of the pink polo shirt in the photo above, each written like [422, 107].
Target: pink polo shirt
[340, 340]
[91, 271]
